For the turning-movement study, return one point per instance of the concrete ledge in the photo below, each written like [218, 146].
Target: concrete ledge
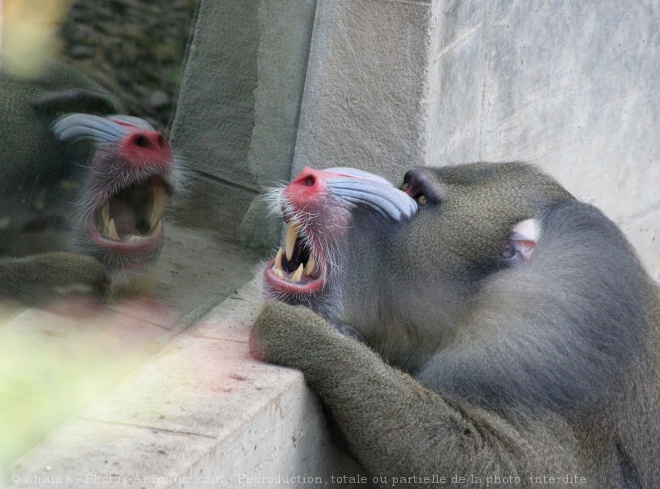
[199, 412]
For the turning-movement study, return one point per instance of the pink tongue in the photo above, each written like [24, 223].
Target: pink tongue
[124, 216]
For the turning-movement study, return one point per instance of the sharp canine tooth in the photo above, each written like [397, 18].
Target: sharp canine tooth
[278, 260]
[291, 236]
[133, 238]
[311, 264]
[278, 273]
[156, 230]
[112, 230]
[298, 274]
[158, 205]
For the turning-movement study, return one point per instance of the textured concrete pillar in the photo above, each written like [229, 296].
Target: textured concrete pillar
[237, 113]
[285, 28]
[215, 115]
[364, 103]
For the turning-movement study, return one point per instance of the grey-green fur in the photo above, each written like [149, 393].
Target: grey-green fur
[475, 366]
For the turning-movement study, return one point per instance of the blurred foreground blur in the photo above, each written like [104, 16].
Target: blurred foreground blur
[54, 362]
[29, 34]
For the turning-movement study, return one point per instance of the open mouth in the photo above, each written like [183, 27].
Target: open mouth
[295, 268]
[133, 216]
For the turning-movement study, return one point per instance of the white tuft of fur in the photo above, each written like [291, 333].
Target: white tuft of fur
[273, 197]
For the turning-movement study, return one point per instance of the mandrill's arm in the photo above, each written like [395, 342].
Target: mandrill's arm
[39, 279]
[396, 427]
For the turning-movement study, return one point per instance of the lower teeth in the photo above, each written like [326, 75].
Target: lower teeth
[298, 274]
[112, 231]
[303, 269]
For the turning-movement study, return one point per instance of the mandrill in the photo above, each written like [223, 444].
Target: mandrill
[478, 324]
[82, 191]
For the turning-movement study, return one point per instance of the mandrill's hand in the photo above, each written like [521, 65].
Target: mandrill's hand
[283, 334]
[294, 336]
[40, 279]
[374, 406]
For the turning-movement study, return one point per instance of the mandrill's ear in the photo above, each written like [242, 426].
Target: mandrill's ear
[522, 242]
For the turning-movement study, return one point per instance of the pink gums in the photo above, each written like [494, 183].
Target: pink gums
[125, 247]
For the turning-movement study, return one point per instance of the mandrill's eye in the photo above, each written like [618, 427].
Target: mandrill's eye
[421, 200]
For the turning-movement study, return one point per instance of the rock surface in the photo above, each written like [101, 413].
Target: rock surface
[134, 48]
